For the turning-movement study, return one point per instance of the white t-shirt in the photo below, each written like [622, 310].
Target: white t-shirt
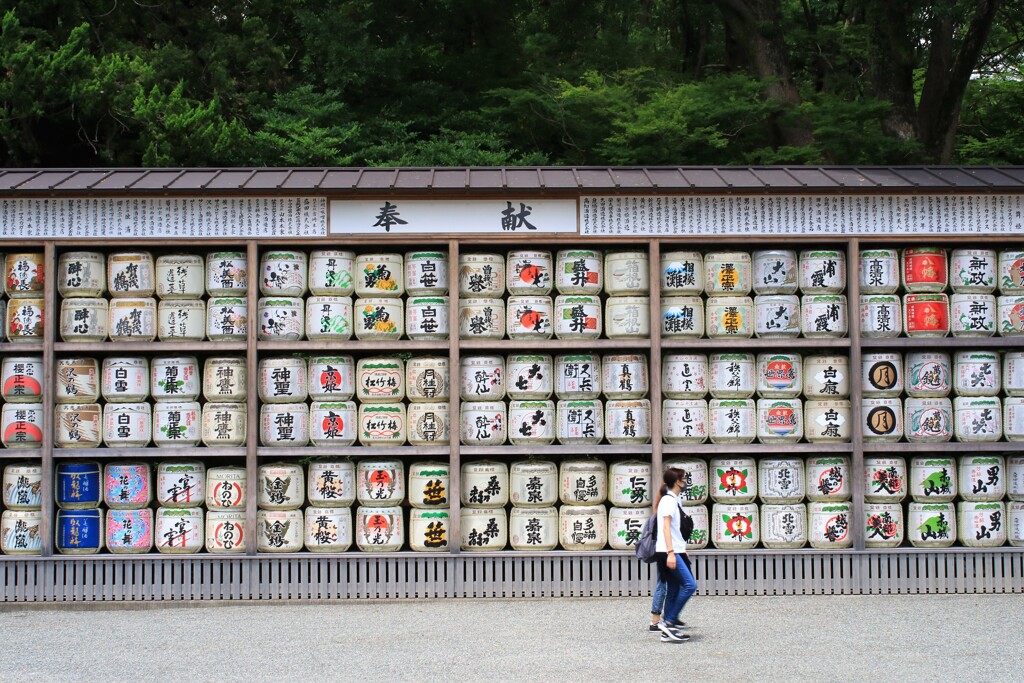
[669, 507]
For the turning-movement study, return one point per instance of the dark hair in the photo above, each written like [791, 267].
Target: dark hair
[669, 479]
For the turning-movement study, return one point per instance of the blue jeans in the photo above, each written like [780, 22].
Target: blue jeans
[680, 586]
[658, 601]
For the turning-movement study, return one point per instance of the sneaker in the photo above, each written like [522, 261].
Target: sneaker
[665, 628]
[677, 625]
[674, 637]
[654, 627]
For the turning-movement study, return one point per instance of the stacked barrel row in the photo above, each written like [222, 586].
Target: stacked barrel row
[22, 503]
[21, 310]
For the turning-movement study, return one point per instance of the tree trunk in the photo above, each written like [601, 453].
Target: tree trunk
[892, 64]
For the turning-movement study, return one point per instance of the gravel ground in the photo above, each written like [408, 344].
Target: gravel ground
[816, 638]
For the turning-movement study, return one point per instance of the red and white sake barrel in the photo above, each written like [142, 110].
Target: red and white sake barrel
[429, 485]
[529, 317]
[283, 273]
[129, 532]
[127, 485]
[973, 271]
[331, 378]
[127, 425]
[332, 272]
[733, 479]
[729, 317]
[81, 274]
[882, 375]
[283, 380]
[977, 419]
[885, 479]
[529, 377]
[329, 318]
[628, 421]
[624, 376]
[282, 486]
[226, 488]
[881, 420]
[180, 483]
[981, 525]
[682, 316]
[78, 425]
[279, 531]
[380, 481]
[779, 375]
[626, 273]
[22, 486]
[19, 532]
[695, 480]
[429, 529]
[224, 424]
[175, 378]
[775, 271]
[426, 273]
[625, 526]
[829, 525]
[929, 374]
[780, 420]
[883, 525]
[732, 375]
[926, 315]
[735, 526]
[982, 478]
[21, 379]
[583, 481]
[225, 379]
[780, 480]
[925, 269]
[1011, 315]
[531, 422]
[627, 317]
[826, 376]
[529, 272]
[225, 531]
[684, 421]
[331, 483]
[426, 318]
[583, 527]
[533, 483]
[333, 423]
[776, 316]
[822, 271]
[83, 320]
[131, 274]
[732, 421]
[828, 421]
[684, 376]
[1015, 524]
[828, 479]
[227, 273]
[682, 273]
[578, 376]
[280, 318]
[21, 425]
[578, 271]
[928, 420]
[784, 526]
[533, 528]
[483, 529]
[379, 529]
[179, 530]
[485, 483]
[931, 525]
[177, 425]
[629, 484]
[933, 479]
[327, 529]
[284, 425]
[125, 379]
[578, 316]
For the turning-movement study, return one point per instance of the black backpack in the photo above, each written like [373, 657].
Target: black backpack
[685, 524]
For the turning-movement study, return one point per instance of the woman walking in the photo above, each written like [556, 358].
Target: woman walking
[671, 547]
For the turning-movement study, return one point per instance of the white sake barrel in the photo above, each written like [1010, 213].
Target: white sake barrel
[482, 378]
[533, 484]
[829, 525]
[1015, 524]
[732, 375]
[583, 527]
[329, 318]
[226, 488]
[429, 485]
[79, 532]
[1013, 418]
[626, 273]
[701, 533]
[180, 483]
[776, 316]
[1015, 477]
[428, 530]
[19, 532]
[380, 481]
[427, 379]
[179, 530]
[931, 525]
[1013, 373]
[682, 316]
[928, 374]
[529, 273]
[429, 424]
[127, 425]
[426, 273]
[881, 316]
[327, 530]
[628, 421]
[177, 425]
[729, 317]
[78, 425]
[379, 529]
[227, 319]
[485, 483]
[624, 376]
[382, 424]
[22, 484]
[695, 480]
[822, 272]
[21, 379]
[224, 425]
[733, 480]
[578, 316]
[625, 526]
[280, 318]
[583, 482]
[380, 380]
[580, 422]
[732, 420]
[483, 423]
[682, 273]
[883, 525]
[779, 375]
[279, 531]
[482, 318]
[735, 527]
[827, 421]
[973, 271]
[881, 420]
[332, 272]
[225, 531]
[926, 315]
[779, 420]
[1011, 315]
[227, 273]
[132, 319]
[130, 274]
[81, 273]
[879, 271]
[529, 317]
[882, 375]
[529, 377]
[283, 273]
[21, 425]
[981, 525]
[1011, 272]
[828, 479]
[627, 317]
[331, 483]
[331, 378]
[684, 421]
[924, 269]
[332, 423]
[727, 274]
[781, 480]
[282, 486]
[928, 420]
[283, 380]
[531, 422]
[629, 484]
[225, 379]
[180, 276]
[775, 271]
[481, 275]
[976, 373]
[78, 380]
[578, 271]
[784, 527]
[127, 485]
[83, 320]
[175, 378]
[684, 376]
[22, 320]
[125, 379]
[824, 315]
[284, 425]
[578, 376]
[977, 419]
[973, 315]
[982, 478]
[885, 479]
[426, 317]
[933, 479]
[483, 529]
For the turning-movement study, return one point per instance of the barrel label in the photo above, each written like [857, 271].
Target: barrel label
[732, 481]
[738, 527]
[830, 482]
[936, 527]
[882, 526]
[836, 528]
[883, 375]
[881, 420]
[937, 484]
[887, 480]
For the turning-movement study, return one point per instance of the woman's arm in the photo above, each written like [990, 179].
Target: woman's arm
[666, 528]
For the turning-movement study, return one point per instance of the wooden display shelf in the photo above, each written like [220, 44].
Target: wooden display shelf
[21, 453]
[895, 343]
[354, 451]
[771, 343]
[557, 449]
[802, 449]
[520, 345]
[149, 347]
[945, 447]
[353, 345]
[148, 452]
[9, 348]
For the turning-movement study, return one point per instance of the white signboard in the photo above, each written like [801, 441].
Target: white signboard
[716, 215]
[185, 217]
[485, 216]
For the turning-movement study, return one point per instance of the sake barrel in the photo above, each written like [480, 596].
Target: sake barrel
[881, 316]
[225, 379]
[482, 318]
[127, 425]
[125, 379]
[578, 376]
[881, 420]
[933, 479]
[926, 315]
[973, 315]
[426, 318]
[329, 318]
[529, 317]
[727, 274]
[180, 483]
[627, 317]
[732, 420]
[481, 275]
[224, 425]
[784, 527]
[180, 276]
[79, 532]
[281, 486]
[81, 273]
[331, 483]
[829, 525]
[775, 271]
[132, 319]
[332, 272]
[227, 273]
[701, 527]
[226, 488]
[78, 425]
[776, 316]
[280, 318]
[583, 527]
[1011, 315]
[83, 320]
[577, 316]
[824, 316]
[682, 273]
[282, 380]
[695, 480]
[826, 376]
[283, 273]
[284, 425]
[879, 271]
[429, 485]
[485, 483]
[379, 529]
[529, 272]
[1015, 477]
[1013, 373]
[331, 378]
[130, 274]
[482, 378]
[981, 525]
[429, 529]
[179, 530]
[684, 376]
[580, 422]
[279, 531]
[629, 484]
[626, 273]
[483, 529]
[1011, 272]
[327, 530]
[380, 380]
[682, 316]
[380, 481]
[530, 377]
[583, 482]
[1015, 524]
[22, 425]
[779, 375]
[177, 425]
[982, 478]
[827, 421]
[333, 423]
[779, 420]
[19, 532]
[928, 420]
[885, 479]
[427, 379]
[127, 485]
[729, 317]
[382, 424]
[928, 374]
[429, 424]
[1013, 418]
[78, 485]
[482, 423]
[973, 271]
[628, 421]
[533, 484]
[882, 375]
[24, 320]
[732, 375]
[976, 373]
[175, 378]
[624, 376]
[21, 379]
[931, 525]
[129, 532]
[977, 419]
[23, 484]
[828, 479]
[426, 273]
[822, 272]
[578, 271]
[684, 421]
[924, 269]
[736, 526]
[625, 526]
[225, 531]
[883, 525]
[733, 480]
[531, 422]
[781, 480]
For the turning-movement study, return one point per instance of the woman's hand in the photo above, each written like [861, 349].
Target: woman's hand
[671, 561]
